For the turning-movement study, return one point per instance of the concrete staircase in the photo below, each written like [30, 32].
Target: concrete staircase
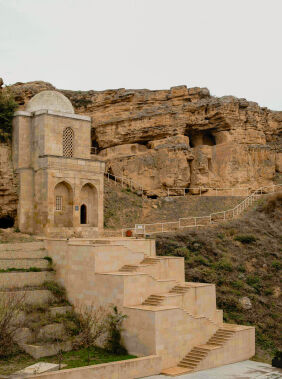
[24, 269]
[200, 353]
[150, 260]
[133, 268]
[192, 359]
[220, 337]
[154, 300]
[129, 268]
[179, 289]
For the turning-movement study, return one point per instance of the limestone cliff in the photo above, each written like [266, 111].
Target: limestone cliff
[181, 137]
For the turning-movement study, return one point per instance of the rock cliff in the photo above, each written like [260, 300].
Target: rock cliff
[181, 137]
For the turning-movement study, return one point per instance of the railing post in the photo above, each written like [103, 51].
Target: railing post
[108, 176]
[168, 192]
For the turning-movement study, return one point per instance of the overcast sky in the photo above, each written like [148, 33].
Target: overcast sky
[233, 47]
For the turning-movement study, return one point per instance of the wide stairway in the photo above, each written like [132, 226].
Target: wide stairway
[199, 327]
[198, 353]
[27, 280]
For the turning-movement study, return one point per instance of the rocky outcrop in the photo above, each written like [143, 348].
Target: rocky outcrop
[181, 137]
[8, 187]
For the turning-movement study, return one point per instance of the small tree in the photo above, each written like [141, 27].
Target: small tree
[93, 324]
[115, 321]
[10, 308]
[7, 109]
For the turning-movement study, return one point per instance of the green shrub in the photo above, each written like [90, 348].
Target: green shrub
[114, 344]
[276, 265]
[245, 238]
[7, 109]
[49, 259]
[181, 252]
[241, 268]
[34, 269]
[238, 284]
[57, 290]
[224, 264]
[254, 281]
[268, 292]
[201, 260]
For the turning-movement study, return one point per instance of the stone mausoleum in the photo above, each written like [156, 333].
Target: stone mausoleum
[60, 183]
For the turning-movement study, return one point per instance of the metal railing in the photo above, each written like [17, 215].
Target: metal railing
[192, 222]
[125, 182]
[208, 191]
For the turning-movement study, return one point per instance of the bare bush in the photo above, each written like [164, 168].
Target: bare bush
[10, 309]
[93, 324]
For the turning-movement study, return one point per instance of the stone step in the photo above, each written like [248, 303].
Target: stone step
[30, 296]
[150, 261]
[221, 339]
[23, 254]
[24, 246]
[197, 354]
[148, 302]
[188, 365]
[23, 263]
[154, 300]
[190, 359]
[60, 310]
[24, 279]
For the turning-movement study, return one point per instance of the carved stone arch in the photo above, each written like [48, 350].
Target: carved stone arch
[63, 204]
[89, 205]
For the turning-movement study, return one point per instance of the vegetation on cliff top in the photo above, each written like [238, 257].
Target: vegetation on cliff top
[7, 109]
[243, 259]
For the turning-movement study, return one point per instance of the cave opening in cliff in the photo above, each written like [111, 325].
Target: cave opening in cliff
[6, 222]
[201, 138]
[208, 139]
[152, 196]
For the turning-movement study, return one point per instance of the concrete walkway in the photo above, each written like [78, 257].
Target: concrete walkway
[240, 370]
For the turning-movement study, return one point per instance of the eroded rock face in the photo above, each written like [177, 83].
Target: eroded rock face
[181, 137]
[8, 185]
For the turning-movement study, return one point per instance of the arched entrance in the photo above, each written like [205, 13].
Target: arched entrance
[83, 214]
[63, 205]
[89, 205]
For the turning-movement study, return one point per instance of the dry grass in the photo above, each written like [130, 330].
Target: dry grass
[123, 208]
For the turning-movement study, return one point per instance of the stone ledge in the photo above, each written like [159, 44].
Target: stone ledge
[126, 369]
[66, 115]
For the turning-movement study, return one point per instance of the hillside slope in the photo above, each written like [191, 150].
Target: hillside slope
[124, 208]
[243, 259]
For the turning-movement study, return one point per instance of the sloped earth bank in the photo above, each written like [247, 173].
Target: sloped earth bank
[124, 208]
[243, 259]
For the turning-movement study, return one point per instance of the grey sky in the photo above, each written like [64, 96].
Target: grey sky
[233, 47]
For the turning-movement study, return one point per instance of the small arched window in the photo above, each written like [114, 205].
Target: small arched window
[68, 137]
